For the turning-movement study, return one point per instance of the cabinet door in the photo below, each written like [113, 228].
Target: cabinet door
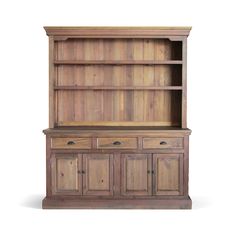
[66, 179]
[136, 174]
[97, 174]
[168, 174]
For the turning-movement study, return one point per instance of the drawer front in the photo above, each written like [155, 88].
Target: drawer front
[149, 143]
[71, 143]
[117, 143]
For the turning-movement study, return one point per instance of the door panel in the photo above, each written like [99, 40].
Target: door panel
[136, 174]
[168, 174]
[98, 174]
[65, 177]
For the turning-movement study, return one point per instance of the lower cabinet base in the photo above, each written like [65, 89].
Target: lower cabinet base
[54, 203]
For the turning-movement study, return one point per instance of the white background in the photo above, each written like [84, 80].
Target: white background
[24, 114]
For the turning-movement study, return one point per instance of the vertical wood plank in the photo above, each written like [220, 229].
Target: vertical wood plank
[186, 166]
[149, 77]
[138, 79]
[65, 111]
[108, 81]
[119, 53]
[162, 99]
[48, 167]
[51, 83]
[128, 95]
[117, 176]
[79, 98]
[184, 83]
[129, 102]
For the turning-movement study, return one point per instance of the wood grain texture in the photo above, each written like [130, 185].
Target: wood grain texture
[184, 79]
[117, 62]
[117, 88]
[65, 177]
[52, 110]
[136, 174]
[168, 169]
[117, 143]
[75, 203]
[85, 84]
[71, 143]
[163, 142]
[113, 32]
[98, 174]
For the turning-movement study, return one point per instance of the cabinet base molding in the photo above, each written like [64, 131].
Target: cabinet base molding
[173, 203]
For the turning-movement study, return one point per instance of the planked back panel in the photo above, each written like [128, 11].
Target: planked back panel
[118, 49]
[118, 107]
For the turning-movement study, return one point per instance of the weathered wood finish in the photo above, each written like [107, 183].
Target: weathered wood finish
[136, 174]
[168, 170]
[117, 134]
[117, 143]
[65, 177]
[97, 174]
[123, 107]
[162, 143]
[71, 143]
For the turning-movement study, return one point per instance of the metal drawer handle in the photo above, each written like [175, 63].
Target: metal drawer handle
[70, 143]
[163, 143]
[117, 143]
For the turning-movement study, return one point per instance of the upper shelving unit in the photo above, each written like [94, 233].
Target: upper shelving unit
[126, 76]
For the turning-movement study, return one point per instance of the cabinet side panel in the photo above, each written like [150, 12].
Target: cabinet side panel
[186, 165]
[51, 82]
[184, 82]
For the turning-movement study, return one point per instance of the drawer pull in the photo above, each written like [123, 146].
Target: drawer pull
[70, 143]
[163, 143]
[83, 172]
[117, 143]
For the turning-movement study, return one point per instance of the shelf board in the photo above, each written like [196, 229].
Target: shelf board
[117, 88]
[117, 62]
[117, 123]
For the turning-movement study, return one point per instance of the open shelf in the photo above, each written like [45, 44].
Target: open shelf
[117, 62]
[113, 76]
[114, 51]
[117, 88]
[117, 123]
[118, 107]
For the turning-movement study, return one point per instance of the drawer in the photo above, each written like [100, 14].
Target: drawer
[162, 143]
[117, 143]
[71, 143]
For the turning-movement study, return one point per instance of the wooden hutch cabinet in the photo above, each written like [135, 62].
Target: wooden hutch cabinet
[117, 135]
